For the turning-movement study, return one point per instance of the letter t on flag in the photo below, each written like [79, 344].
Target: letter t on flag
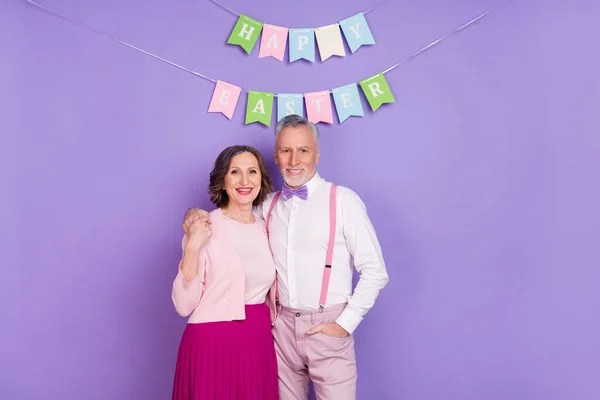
[377, 91]
[245, 32]
[318, 107]
[225, 98]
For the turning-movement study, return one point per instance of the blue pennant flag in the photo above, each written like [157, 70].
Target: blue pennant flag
[288, 103]
[302, 44]
[347, 102]
[357, 32]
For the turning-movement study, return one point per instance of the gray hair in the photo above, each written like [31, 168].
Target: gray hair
[294, 121]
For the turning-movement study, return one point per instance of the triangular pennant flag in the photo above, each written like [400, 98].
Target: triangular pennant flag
[318, 107]
[377, 91]
[347, 102]
[357, 32]
[259, 107]
[225, 98]
[245, 32]
[302, 44]
[273, 41]
[329, 40]
[288, 104]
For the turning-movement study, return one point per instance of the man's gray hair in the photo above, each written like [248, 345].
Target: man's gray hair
[294, 121]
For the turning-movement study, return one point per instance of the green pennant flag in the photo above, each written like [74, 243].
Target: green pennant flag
[259, 107]
[377, 91]
[245, 32]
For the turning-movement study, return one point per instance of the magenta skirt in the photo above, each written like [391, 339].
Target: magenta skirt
[228, 360]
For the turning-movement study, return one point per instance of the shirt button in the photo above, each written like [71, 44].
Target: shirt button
[297, 314]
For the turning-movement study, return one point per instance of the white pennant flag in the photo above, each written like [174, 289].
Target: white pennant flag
[329, 40]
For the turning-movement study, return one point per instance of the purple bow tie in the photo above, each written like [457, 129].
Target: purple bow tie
[288, 192]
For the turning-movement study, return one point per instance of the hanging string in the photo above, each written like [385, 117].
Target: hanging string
[435, 42]
[208, 78]
[92, 29]
[223, 6]
[375, 6]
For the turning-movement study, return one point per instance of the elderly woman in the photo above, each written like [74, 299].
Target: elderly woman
[225, 284]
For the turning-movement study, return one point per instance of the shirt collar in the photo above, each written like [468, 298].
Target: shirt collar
[314, 183]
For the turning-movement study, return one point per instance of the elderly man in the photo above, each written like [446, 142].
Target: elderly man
[318, 232]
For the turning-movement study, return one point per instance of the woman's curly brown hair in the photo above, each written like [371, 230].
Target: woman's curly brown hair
[216, 188]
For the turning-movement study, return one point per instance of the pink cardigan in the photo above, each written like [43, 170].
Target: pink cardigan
[217, 292]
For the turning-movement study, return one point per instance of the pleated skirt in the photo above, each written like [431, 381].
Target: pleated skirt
[228, 360]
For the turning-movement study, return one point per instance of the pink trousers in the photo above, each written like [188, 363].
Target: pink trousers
[329, 362]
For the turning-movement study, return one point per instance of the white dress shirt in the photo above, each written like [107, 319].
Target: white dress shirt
[299, 234]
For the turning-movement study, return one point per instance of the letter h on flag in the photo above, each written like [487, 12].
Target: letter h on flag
[245, 32]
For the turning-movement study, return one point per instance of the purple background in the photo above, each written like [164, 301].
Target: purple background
[481, 180]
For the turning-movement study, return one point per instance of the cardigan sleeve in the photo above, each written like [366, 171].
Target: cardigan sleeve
[186, 295]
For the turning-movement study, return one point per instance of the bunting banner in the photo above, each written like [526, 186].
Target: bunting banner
[354, 29]
[319, 107]
[259, 107]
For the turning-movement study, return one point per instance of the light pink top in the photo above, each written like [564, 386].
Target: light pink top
[252, 247]
[235, 268]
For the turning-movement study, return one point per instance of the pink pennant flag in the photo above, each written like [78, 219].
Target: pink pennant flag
[225, 98]
[273, 42]
[318, 107]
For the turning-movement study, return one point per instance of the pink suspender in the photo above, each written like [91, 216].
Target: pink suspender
[329, 254]
[273, 202]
